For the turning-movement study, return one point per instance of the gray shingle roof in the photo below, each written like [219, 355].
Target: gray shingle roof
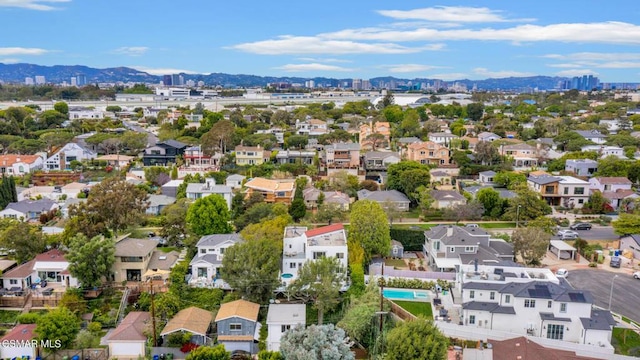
[174, 143]
[26, 206]
[543, 180]
[209, 258]
[488, 306]
[450, 195]
[590, 134]
[382, 196]
[217, 239]
[158, 200]
[550, 316]
[460, 236]
[599, 320]
[135, 247]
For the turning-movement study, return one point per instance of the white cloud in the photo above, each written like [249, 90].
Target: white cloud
[604, 32]
[409, 68]
[453, 14]
[330, 60]
[40, 5]
[131, 50]
[500, 74]
[311, 67]
[10, 61]
[576, 72]
[298, 45]
[448, 76]
[593, 56]
[161, 71]
[596, 60]
[13, 51]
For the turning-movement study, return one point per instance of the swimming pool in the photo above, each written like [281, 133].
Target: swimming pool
[287, 276]
[405, 294]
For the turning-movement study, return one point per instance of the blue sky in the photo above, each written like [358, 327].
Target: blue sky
[344, 39]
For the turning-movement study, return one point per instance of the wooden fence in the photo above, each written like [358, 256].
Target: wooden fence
[82, 354]
[401, 313]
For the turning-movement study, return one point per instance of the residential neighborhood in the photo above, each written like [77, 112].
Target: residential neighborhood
[162, 231]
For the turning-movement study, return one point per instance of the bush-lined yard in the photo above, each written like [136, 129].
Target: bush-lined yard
[416, 308]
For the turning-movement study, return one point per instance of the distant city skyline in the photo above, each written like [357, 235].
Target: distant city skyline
[440, 40]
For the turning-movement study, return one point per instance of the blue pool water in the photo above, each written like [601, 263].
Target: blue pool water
[405, 294]
[287, 276]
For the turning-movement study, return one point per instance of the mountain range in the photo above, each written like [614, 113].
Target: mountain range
[16, 73]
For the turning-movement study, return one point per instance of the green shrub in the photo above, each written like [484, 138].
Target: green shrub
[94, 327]
[593, 264]
[412, 240]
[28, 318]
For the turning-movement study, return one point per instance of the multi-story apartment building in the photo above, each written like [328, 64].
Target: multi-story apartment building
[342, 156]
[523, 155]
[581, 167]
[195, 158]
[302, 245]
[273, 191]
[251, 155]
[442, 138]
[205, 265]
[382, 128]
[428, 153]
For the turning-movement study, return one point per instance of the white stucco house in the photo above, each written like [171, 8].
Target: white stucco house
[15, 343]
[234, 181]
[208, 260]
[280, 318]
[61, 159]
[531, 302]
[12, 164]
[302, 245]
[197, 191]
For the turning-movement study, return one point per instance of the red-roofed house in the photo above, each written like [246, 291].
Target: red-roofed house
[53, 267]
[302, 245]
[11, 164]
[11, 344]
[128, 340]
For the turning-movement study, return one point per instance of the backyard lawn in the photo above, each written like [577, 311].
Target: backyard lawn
[416, 308]
[395, 263]
[629, 347]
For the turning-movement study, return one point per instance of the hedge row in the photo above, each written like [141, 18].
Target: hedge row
[412, 240]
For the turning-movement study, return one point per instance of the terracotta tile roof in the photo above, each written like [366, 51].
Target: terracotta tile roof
[21, 271]
[192, 319]
[132, 327]
[22, 332]
[53, 255]
[270, 185]
[10, 159]
[235, 338]
[239, 308]
[525, 349]
[324, 230]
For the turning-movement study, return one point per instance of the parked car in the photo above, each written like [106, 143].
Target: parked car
[615, 262]
[567, 234]
[580, 226]
[562, 273]
[636, 275]
[472, 225]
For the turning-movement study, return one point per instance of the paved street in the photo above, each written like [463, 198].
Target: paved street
[151, 138]
[626, 289]
[597, 233]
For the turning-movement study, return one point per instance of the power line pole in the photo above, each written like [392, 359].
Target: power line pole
[153, 315]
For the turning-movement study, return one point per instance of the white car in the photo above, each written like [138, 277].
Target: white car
[562, 273]
[567, 234]
[636, 275]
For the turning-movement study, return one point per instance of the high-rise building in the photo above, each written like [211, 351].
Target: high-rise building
[40, 80]
[310, 84]
[74, 81]
[28, 81]
[366, 85]
[81, 79]
[356, 84]
[166, 80]
[175, 80]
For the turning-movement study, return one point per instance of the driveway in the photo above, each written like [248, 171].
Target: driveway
[596, 233]
[626, 289]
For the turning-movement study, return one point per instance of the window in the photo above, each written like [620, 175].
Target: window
[13, 282]
[340, 255]
[549, 189]
[566, 191]
[131, 259]
[235, 327]
[549, 304]
[507, 299]
[492, 295]
[318, 254]
[580, 201]
[472, 319]
[203, 251]
[468, 249]
[563, 307]
[555, 331]
[579, 191]
[472, 294]
[436, 245]
[284, 328]
[292, 265]
[222, 250]
[280, 194]
[529, 303]
[452, 249]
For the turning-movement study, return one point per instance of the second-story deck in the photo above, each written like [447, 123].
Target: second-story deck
[330, 239]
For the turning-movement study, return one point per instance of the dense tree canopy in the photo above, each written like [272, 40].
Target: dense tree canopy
[90, 261]
[417, 339]
[209, 215]
[325, 342]
[407, 176]
[369, 229]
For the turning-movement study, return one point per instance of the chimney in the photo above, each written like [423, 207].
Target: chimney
[63, 165]
[450, 230]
